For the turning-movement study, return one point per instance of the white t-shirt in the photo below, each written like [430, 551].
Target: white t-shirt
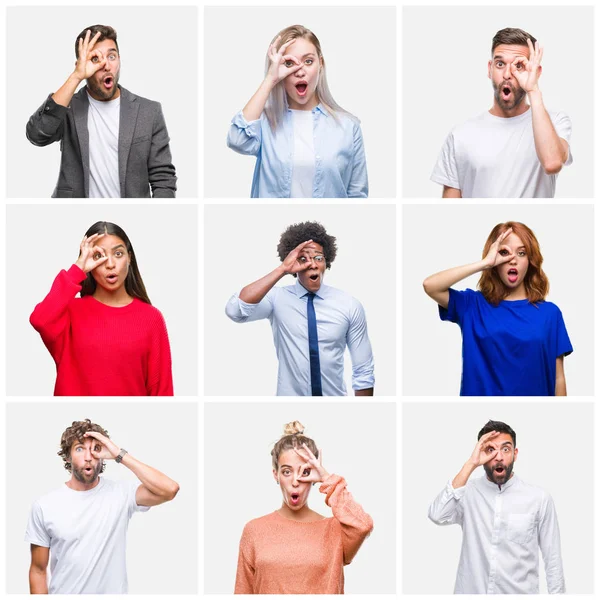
[303, 168]
[86, 534]
[494, 157]
[103, 131]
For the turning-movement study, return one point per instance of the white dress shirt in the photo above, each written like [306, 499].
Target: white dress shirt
[502, 530]
[341, 322]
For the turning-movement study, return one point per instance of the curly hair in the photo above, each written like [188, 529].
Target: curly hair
[500, 427]
[536, 282]
[309, 230]
[73, 434]
[293, 437]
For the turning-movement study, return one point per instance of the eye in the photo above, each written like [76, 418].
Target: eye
[285, 472]
[97, 448]
[500, 64]
[506, 449]
[78, 449]
[522, 253]
[319, 259]
[302, 259]
[112, 57]
[95, 59]
[306, 472]
[119, 253]
[289, 63]
[309, 61]
[490, 449]
[519, 66]
[503, 252]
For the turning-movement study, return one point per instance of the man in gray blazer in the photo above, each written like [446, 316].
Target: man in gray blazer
[113, 143]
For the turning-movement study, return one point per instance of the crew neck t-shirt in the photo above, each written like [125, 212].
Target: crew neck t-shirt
[495, 157]
[509, 349]
[103, 132]
[86, 533]
[303, 167]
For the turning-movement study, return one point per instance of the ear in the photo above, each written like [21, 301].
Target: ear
[516, 453]
[489, 69]
[275, 476]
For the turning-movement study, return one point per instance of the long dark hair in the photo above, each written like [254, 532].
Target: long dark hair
[134, 284]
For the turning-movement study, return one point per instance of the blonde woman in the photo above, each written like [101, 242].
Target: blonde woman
[306, 145]
[295, 550]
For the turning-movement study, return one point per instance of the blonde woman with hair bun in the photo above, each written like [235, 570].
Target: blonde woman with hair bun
[306, 145]
[295, 550]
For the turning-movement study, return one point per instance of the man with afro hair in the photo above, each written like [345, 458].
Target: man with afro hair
[312, 323]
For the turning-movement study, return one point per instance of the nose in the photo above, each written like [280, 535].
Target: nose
[506, 74]
[110, 263]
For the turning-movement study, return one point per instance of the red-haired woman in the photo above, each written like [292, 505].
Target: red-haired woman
[514, 342]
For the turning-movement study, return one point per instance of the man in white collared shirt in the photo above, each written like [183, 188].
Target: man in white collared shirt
[311, 363]
[504, 522]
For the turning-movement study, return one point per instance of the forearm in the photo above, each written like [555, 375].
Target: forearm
[367, 392]
[463, 475]
[253, 293]
[561, 387]
[155, 481]
[548, 146]
[65, 93]
[441, 282]
[256, 104]
[38, 582]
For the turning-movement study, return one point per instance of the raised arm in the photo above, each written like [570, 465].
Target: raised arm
[446, 508]
[437, 286]
[156, 488]
[38, 579]
[552, 151]
[51, 316]
[356, 523]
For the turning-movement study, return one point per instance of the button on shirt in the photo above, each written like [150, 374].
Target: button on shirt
[341, 322]
[502, 530]
[340, 164]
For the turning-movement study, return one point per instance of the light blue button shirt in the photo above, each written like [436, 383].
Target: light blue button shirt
[341, 322]
[340, 164]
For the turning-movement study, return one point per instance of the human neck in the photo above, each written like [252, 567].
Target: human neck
[518, 110]
[79, 486]
[119, 297]
[519, 293]
[303, 514]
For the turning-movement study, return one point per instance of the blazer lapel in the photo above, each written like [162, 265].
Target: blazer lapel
[127, 120]
[79, 106]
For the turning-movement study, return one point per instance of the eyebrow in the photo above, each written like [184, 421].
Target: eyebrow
[309, 54]
[284, 466]
[506, 444]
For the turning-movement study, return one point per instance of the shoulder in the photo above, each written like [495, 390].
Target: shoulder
[533, 491]
[470, 126]
[549, 308]
[131, 97]
[341, 298]
[258, 525]
[52, 498]
[558, 115]
[147, 310]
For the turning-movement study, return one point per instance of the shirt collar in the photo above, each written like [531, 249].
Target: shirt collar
[301, 291]
[318, 108]
[505, 487]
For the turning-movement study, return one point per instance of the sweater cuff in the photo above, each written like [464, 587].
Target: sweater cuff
[328, 486]
[76, 275]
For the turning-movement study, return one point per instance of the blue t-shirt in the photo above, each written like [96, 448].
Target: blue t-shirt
[509, 349]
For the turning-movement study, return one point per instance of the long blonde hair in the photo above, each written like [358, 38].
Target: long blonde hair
[277, 102]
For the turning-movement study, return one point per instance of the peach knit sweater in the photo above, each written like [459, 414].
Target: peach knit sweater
[283, 556]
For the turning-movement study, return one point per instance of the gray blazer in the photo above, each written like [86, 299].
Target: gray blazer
[144, 154]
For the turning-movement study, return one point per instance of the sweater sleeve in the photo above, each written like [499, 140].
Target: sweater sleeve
[356, 523]
[160, 375]
[244, 578]
[50, 318]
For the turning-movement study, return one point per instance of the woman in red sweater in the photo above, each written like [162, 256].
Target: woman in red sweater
[110, 341]
[295, 550]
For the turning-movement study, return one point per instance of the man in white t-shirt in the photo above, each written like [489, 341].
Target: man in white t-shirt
[516, 149]
[82, 526]
[114, 144]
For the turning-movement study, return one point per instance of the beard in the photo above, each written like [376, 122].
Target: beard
[99, 91]
[518, 93]
[83, 477]
[499, 480]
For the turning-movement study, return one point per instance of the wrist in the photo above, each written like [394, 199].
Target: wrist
[281, 271]
[270, 82]
[535, 96]
[75, 79]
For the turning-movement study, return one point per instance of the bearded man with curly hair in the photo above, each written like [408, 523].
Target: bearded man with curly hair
[82, 526]
[312, 323]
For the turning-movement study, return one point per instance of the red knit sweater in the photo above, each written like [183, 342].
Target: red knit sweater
[102, 350]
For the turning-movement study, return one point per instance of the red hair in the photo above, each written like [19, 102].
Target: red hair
[536, 282]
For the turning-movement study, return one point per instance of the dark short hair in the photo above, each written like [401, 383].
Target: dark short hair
[500, 427]
[512, 35]
[106, 33]
[297, 233]
[76, 433]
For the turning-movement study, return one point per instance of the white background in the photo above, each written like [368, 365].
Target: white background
[435, 238]
[158, 48]
[162, 545]
[164, 239]
[361, 80]
[364, 267]
[358, 442]
[445, 81]
[555, 442]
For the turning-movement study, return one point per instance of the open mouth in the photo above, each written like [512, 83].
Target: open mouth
[301, 88]
[88, 470]
[513, 275]
[314, 277]
[108, 82]
[506, 92]
[295, 498]
[500, 470]
[112, 278]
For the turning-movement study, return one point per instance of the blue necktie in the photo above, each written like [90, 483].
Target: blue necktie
[313, 346]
